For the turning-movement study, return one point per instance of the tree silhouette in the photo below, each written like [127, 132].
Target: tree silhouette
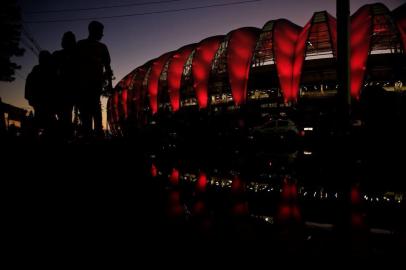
[10, 33]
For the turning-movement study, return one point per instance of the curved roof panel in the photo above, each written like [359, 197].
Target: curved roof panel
[285, 36]
[175, 71]
[361, 31]
[153, 79]
[201, 66]
[241, 48]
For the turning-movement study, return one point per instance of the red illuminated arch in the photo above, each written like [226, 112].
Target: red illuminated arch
[285, 36]
[370, 20]
[240, 50]
[153, 79]
[175, 71]
[201, 65]
[134, 92]
[126, 86]
[300, 49]
[359, 44]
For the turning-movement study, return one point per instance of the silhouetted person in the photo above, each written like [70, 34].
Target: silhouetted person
[94, 70]
[66, 68]
[39, 91]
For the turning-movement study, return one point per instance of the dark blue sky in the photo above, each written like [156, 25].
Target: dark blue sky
[134, 40]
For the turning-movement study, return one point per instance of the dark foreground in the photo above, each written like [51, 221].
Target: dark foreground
[96, 201]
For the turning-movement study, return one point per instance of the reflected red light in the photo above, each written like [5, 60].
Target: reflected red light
[284, 212]
[154, 171]
[174, 197]
[175, 71]
[174, 205]
[201, 66]
[201, 182]
[357, 220]
[289, 212]
[289, 190]
[240, 208]
[286, 192]
[293, 191]
[288, 209]
[199, 207]
[355, 195]
[239, 54]
[174, 178]
[237, 186]
[296, 212]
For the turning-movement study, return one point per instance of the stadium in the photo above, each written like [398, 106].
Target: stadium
[279, 66]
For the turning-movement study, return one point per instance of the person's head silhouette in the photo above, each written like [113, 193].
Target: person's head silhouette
[96, 30]
[45, 58]
[68, 40]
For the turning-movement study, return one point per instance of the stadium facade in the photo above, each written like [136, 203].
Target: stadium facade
[281, 60]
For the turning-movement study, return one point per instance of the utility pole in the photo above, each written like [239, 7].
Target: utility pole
[343, 62]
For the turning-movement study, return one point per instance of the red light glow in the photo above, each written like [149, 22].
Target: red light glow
[284, 40]
[241, 46]
[175, 71]
[360, 43]
[153, 79]
[174, 178]
[201, 182]
[154, 170]
[201, 66]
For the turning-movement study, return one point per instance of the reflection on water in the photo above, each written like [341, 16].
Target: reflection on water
[279, 204]
[265, 191]
[288, 209]
[317, 192]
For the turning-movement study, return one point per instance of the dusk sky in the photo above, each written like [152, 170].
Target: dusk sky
[133, 40]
